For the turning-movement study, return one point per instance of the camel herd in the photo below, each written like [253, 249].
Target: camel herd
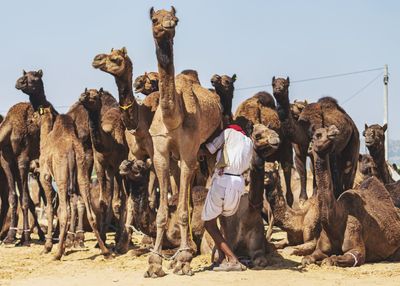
[153, 173]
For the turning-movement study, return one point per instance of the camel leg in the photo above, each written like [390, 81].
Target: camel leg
[281, 244]
[161, 165]
[287, 164]
[122, 237]
[101, 175]
[13, 203]
[80, 233]
[175, 172]
[322, 251]
[36, 224]
[84, 190]
[185, 256]
[73, 202]
[301, 162]
[4, 193]
[64, 215]
[271, 222]
[303, 249]
[152, 188]
[45, 180]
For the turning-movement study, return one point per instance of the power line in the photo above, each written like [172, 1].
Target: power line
[314, 78]
[363, 88]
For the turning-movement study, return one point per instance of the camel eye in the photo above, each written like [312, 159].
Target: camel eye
[154, 20]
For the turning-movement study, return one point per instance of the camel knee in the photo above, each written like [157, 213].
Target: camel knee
[183, 218]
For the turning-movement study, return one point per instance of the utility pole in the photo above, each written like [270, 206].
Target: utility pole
[386, 108]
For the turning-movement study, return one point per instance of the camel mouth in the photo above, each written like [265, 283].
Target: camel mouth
[369, 142]
[169, 25]
[99, 61]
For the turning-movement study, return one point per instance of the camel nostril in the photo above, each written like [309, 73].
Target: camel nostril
[257, 136]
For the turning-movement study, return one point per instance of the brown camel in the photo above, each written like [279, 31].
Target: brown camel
[178, 127]
[224, 87]
[147, 83]
[261, 109]
[325, 112]
[301, 225]
[110, 149]
[136, 117]
[143, 218]
[297, 107]
[375, 142]
[362, 225]
[368, 168]
[19, 144]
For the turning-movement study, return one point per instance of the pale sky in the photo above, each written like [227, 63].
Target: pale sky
[254, 39]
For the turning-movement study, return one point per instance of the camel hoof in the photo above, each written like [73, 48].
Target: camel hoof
[69, 242]
[260, 263]
[57, 257]
[329, 261]
[122, 248]
[307, 260]
[182, 263]
[47, 247]
[10, 240]
[155, 267]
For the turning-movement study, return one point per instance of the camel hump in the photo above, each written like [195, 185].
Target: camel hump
[152, 100]
[191, 75]
[265, 99]
[330, 102]
[108, 100]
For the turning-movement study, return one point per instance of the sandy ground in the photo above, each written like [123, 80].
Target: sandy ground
[27, 266]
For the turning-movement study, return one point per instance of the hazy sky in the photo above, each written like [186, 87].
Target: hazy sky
[254, 39]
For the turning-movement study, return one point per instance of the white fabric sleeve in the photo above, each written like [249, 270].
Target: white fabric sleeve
[216, 143]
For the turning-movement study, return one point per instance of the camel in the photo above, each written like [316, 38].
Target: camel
[147, 83]
[297, 107]
[325, 112]
[224, 88]
[302, 225]
[261, 109]
[143, 218]
[62, 157]
[362, 225]
[178, 127]
[110, 149]
[375, 142]
[19, 144]
[136, 117]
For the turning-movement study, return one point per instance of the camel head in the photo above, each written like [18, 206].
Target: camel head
[266, 141]
[163, 23]
[280, 88]
[135, 170]
[297, 107]
[324, 139]
[30, 83]
[272, 183]
[367, 166]
[375, 135]
[116, 63]
[224, 87]
[146, 83]
[91, 99]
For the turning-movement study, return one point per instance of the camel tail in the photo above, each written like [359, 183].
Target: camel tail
[71, 171]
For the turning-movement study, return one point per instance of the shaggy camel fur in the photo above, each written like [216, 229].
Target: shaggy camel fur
[301, 225]
[375, 142]
[147, 83]
[141, 217]
[136, 117]
[224, 87]
[362, 225]
[325, 112]
[261, 109]
[110, 149]
[179, 127]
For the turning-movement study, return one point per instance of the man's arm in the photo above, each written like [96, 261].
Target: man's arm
[217, 143]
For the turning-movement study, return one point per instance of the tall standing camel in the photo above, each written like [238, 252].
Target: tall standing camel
[187, 115]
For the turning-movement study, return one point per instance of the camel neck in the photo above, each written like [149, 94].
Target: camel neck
[95, 129]
[326, 199]
[283, 106]
[38, 99]
[378, 155]
[46, 125]
[226, 100]
[168, 100]
[280, 209]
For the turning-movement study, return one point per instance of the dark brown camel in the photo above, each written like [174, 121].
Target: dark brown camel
[179, 128]
[110, 149]
[323, 113]
[375, 142]
[261, 109]
[147, 83]
[224, 87]
[301, 225]
[362, 225]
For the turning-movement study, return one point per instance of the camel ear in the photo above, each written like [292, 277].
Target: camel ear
[101, 90]
[273, 80]
[365, 126]
[151, 12]
[234, 77]
[124, 51]
[112, 49]
[40, 73]
[85, 89]
[288, 81]
[384, 127]
[305, 102]
[295, 101]
[173, 10]
[23, 72]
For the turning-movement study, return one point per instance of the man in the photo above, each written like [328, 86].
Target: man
[235, 150]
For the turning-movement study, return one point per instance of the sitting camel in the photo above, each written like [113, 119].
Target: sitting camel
[142, 217]
[62, 158]
[362, 225]
[301, 225]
